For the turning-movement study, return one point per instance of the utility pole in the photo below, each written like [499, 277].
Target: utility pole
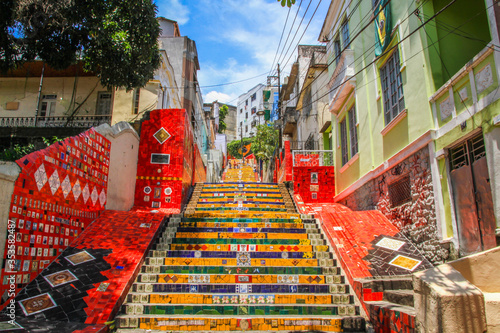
[280, 134]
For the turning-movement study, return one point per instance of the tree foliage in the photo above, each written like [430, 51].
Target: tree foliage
[233, 147]
[223, 111]
[288, 3]
[265, 142]
[116, 39]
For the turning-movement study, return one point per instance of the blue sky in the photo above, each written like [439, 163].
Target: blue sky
[237, 39]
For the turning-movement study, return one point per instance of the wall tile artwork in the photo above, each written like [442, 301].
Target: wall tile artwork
[59, 192]
[314, 183]
[168, 160]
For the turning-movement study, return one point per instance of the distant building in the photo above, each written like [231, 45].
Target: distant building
[249, 104]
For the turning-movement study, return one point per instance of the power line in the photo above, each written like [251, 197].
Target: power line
[279, 44]
[394, 46]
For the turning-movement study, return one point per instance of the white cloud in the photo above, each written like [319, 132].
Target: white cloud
[218, 96]
[246, 35]
[173, 10]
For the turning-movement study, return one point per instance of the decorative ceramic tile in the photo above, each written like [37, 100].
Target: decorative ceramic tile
[60, 278]
[102, 197]
[243, 259]
[54, 182]
[390, 243]
[94, 196]
[77, 190]
[79, 258]
[66, 186]
[86, 193]
[40, 176]
[161, 135]
[405, 262]
[36, 304]
[103, 286]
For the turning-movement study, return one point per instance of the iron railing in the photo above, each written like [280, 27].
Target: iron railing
[56, 121]
[312, 158]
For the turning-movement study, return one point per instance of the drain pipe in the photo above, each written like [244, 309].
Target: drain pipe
[39, 95]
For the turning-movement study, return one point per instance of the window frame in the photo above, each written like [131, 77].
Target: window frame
[353, 130]
[344, 151]
[344, 31]
[391, 84]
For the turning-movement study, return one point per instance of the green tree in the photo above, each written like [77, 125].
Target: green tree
[223, 111]
[116, 39]
[265, 142]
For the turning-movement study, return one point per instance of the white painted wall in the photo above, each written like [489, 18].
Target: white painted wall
[123, 164]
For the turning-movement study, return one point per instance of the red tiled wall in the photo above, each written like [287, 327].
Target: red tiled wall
[60, 190]
[165, 185]
[306, 160]
[200, 172]
[324, 186]
[285, 170]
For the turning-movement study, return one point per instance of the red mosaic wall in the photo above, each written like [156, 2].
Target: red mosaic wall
[111, 230]
[59, 192]
[285, 170]
[306, 160]
[200, 174]
[314, 184]
[164, 183]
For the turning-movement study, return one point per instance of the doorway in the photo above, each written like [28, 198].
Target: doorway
[472, 197]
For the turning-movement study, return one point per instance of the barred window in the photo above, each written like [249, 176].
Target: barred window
[400, 191]
[392, 87]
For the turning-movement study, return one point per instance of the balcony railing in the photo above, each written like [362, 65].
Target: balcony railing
[56, 121]
[342, 73]
[304, 145]
[312, 158]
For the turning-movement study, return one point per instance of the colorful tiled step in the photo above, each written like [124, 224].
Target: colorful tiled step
[241, 259]
[240, 270]
[241, 288]
[244, 323]
[179, 298]
[253, 308]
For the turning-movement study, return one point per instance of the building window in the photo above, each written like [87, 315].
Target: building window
[336, 47]
[400, 191]
[343, 141]
[48, 105]
[246, 102]
[137, 96]
[104, 103]
[254, 97]
[392, 87]
[254, 110]
[246, 115]
[345, 34]
[241, 110]
[353, 131]
[246, 128]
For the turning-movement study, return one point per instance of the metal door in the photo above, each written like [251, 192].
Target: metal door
[472, 197]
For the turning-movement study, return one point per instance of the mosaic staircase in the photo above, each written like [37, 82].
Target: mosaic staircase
[240, 259]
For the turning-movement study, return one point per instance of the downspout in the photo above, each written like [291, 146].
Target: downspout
[39, 95]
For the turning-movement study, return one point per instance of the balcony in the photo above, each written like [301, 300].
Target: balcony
[340, 84]
[470, 90]
[304, 145]
[290, 120]
[56, 121]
